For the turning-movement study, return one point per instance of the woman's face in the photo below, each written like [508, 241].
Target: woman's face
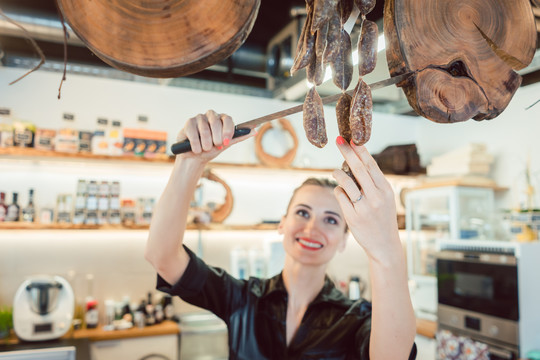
[314, 227]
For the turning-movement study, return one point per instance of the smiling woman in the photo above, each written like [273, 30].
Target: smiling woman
[314, 227]
[299, 313]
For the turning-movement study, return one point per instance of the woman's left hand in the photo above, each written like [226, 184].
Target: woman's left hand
[370, 211]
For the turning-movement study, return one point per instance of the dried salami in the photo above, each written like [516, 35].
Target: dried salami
[365, 6]
[367, 48]
[342, 67]
[347, 170]
[314, 124]
[343, 110]
[321, 40]
[305, 48]
[332, 38]
[345, 8]
[315, 69]
[361, 114]
[322, 12]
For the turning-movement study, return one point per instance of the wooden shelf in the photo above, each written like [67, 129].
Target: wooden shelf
[206, 227]
[426, 328]
[34, 154]
[99, 334]
[465, 181]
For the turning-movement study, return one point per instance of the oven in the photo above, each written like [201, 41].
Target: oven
[487, 291]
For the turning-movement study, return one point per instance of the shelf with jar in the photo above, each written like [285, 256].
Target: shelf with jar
[132, 173]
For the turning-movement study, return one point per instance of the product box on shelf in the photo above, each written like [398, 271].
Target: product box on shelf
[67, 140]
[45, 139]
[23, 134]
[85, 141]
[115, 138]
[146, 143]
[6, 128]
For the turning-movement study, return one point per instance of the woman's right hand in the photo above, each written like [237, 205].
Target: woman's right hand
[208, 134]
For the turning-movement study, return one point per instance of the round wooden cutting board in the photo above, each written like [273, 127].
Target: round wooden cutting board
[161, 38]
[464, 53]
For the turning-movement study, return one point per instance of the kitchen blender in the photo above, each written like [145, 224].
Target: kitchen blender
[43, 308]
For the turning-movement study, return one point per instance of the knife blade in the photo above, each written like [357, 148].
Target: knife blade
[246, 127]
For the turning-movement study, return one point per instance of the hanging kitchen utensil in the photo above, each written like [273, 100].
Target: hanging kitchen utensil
[220, 213]
[276, 161]
[161, 39]
[464, 54]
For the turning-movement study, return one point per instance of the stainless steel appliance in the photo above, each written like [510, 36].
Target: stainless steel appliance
[43, 308]
[489, 291]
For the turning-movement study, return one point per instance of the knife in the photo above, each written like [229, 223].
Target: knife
[245, 127]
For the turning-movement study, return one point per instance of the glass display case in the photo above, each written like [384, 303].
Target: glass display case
[441, 213]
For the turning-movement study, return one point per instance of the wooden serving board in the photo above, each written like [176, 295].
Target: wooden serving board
[161, 39]
[464, 53]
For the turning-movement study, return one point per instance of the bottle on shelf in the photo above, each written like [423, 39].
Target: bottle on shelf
[114, 204]
[103, 202]
[3, 206]
[29, 211]
[149, 310]
[64, 207]
[91, 316]
[168, 308]
[92, 203]
[354, 288]
[13, 209]
[79, 215]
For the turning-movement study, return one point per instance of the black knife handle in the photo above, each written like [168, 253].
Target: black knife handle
[184, 146]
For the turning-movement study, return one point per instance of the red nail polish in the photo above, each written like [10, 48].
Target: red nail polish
[220, 147]
[340, 140]
[352, 143]
[226, 141]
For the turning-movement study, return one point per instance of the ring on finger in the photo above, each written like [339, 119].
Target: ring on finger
[358, 199]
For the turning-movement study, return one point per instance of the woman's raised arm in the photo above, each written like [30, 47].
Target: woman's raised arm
[208, 134]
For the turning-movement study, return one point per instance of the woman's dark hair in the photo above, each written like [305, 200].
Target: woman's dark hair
[322, 182]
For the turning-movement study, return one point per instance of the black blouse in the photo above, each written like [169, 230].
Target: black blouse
[255, 310]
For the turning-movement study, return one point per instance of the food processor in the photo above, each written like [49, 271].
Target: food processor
[43, 308]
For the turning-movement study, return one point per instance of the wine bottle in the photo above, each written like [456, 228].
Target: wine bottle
[13, 210]
[29, 211]
[3, 206]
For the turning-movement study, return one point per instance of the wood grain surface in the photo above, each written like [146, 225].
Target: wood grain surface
[161, 38]
[465, 54]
